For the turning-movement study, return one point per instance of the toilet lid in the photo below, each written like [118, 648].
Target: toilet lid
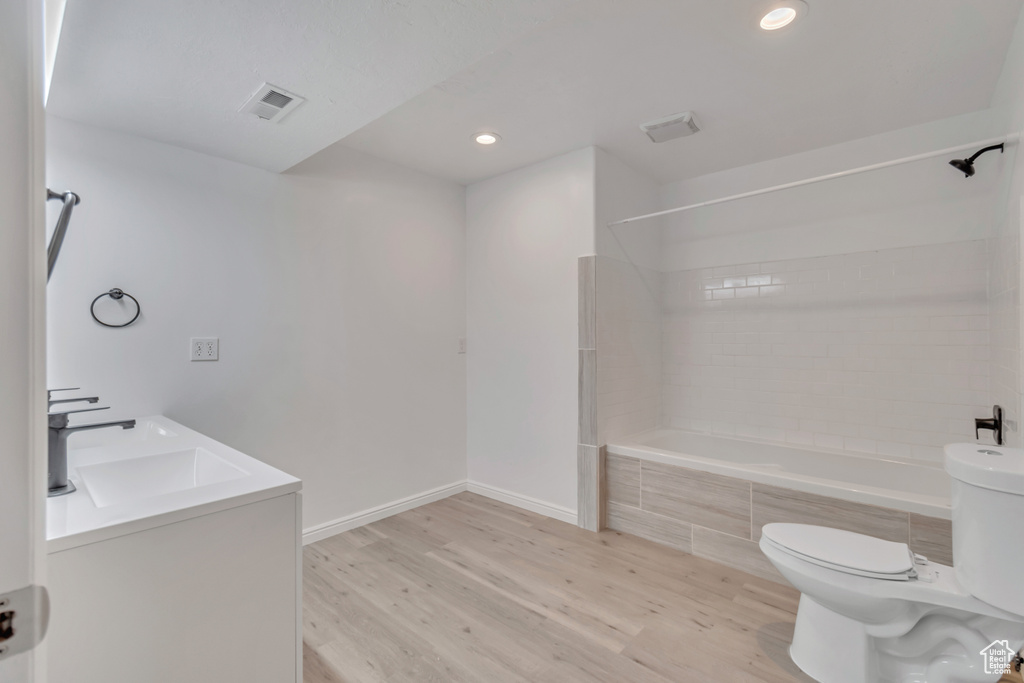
[843, 550]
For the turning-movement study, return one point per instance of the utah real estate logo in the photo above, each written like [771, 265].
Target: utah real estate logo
[999, 657]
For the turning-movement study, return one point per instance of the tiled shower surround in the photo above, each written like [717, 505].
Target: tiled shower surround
[629, 331]
[1005, 313]
[885, 352]
[881, 352]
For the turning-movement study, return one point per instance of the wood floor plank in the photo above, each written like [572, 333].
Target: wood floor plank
[315, 669]
[487, 505]
[420, 537]
[470, 590]
[430, 670]
[591, 620]
[367, 645]
[416, 631]
[449, 610]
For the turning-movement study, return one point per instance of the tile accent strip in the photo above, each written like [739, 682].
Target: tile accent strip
[590, 467]
[591, 476]
[588, 302]
[588, 393]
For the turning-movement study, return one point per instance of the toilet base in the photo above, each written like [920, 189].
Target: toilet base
[829, 647]
[943, 647]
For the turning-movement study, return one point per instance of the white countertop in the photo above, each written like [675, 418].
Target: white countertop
[76, 519]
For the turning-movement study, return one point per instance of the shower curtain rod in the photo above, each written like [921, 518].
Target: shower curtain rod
[831, 176]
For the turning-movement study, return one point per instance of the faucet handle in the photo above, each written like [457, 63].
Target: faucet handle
[49, 392]
[80, 410]
[88, 399]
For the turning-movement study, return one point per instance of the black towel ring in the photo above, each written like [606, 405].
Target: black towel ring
[116, 294]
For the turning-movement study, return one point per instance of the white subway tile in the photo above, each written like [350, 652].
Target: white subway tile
[881, 352]
[747, 292]
[828, 441]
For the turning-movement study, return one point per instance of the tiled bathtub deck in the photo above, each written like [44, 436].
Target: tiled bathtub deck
[720, 518]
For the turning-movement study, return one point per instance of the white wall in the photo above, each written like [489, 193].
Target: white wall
[525, 231]
[338, 298]
[623, 192]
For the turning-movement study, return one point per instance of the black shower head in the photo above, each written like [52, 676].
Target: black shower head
[963, 165]
[967, 165]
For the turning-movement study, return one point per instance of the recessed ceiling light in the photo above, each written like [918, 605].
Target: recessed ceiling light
[778, 18]
[782, 14]
[486, 138]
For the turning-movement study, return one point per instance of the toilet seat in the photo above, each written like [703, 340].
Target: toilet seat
[843, 551]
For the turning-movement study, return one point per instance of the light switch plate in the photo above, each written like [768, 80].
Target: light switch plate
[204, 348]
[462, 345]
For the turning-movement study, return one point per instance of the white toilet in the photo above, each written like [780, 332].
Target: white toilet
[871, 611]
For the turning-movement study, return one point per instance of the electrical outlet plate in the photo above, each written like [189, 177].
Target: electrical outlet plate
[462, 345]
[204, 348]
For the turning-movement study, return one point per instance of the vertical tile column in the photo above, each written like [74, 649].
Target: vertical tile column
[589, 457]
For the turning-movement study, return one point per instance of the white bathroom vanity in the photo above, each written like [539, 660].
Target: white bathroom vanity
[177, 559]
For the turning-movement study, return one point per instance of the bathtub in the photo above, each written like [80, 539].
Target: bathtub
[911, 486]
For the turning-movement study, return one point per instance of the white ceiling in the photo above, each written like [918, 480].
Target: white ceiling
[411, 80]
[849, 69]
[178, 71]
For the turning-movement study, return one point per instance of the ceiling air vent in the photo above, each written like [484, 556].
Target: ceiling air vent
[271, 103]
[671, 127]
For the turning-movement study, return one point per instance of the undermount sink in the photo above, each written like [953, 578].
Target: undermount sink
[133, 479]
[159, 473]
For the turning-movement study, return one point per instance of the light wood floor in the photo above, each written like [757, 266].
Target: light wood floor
[468, 589]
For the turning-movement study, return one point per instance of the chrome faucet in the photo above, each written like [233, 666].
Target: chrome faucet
[59, 431]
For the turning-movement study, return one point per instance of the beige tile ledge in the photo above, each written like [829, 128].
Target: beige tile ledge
[702, 498]
[932, 537]
[735, 552]
[633, 520]
[623, 476]
[724, 514]
[775, 504]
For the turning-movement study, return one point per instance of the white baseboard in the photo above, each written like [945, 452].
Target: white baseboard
[354, 521]
[525, 502]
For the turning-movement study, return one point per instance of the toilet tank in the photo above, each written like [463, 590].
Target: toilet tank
[988, 522]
